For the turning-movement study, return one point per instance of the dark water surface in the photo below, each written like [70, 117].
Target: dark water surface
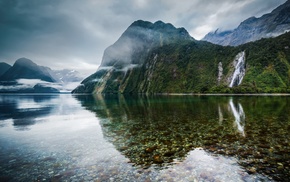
[140, 138]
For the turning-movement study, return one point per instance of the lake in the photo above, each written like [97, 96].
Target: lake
[144, 138]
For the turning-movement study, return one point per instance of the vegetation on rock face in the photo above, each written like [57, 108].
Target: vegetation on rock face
[184, 65]
[268, 64]
[193, 68]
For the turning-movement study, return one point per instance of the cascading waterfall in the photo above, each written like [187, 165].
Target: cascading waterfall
[239, 115]
[240, 70]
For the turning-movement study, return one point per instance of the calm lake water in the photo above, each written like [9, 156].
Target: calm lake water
[158, 138]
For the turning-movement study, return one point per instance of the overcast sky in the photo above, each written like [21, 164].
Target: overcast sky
[73, 34]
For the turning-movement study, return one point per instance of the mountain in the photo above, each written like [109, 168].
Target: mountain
[66, 75]
[130, 51]
[140, 37]
[184, 65]
[269, 25]
[27, 77]
[3, 68]
[25, 68]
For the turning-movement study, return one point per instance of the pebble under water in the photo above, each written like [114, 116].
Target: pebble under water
[141, 138]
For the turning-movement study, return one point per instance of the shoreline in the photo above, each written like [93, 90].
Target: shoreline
[227, 94]
[164, 94]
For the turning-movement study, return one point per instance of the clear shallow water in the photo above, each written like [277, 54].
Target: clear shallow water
[160, 138]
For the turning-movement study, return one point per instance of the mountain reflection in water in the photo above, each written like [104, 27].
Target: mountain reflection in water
[160, 130]
[24, 109]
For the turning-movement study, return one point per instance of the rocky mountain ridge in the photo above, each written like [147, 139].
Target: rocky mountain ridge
[269, 25]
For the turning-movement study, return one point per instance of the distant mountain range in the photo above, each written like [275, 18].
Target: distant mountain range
[67, 76]
[269, 25]
[26, 69]
[159, 58]
[26, 76]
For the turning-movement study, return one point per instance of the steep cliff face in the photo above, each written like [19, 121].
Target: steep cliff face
[183, 65]
[269, 25]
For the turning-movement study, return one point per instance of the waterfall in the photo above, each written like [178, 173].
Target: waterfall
[239, 115]
[220, 72]
[240, 70]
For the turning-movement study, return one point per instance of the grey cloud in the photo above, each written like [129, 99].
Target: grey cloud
[204, 16]
[74, 34]
[44, 30]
